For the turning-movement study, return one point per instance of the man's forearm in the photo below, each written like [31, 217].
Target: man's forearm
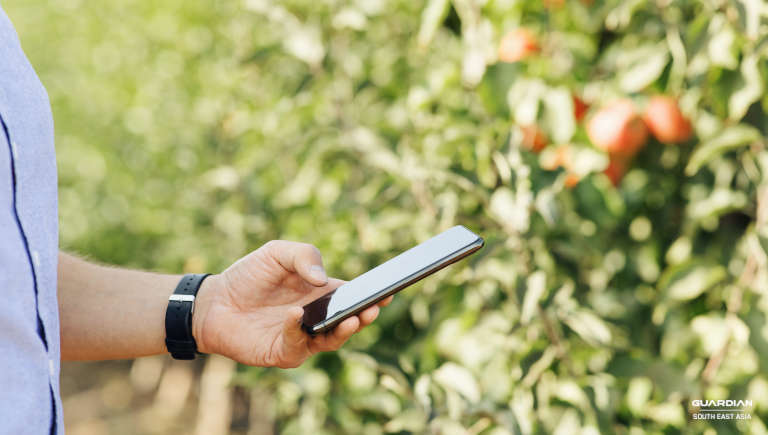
[111, 313]
[251, 312]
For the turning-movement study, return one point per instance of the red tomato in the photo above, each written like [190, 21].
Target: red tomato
[517, 45]
[534, 138]
[665, 120]
[616, 170]
[617, 130]
[579, 108]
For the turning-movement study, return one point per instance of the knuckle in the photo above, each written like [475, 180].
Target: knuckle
[271, 245]
[312, 249]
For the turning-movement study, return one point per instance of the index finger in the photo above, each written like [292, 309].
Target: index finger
[386, 301]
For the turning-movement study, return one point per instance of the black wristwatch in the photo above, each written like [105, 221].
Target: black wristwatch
[178, 317]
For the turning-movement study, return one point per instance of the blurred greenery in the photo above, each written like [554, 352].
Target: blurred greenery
[190, 132]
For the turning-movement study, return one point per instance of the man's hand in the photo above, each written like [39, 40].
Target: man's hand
[252, 311]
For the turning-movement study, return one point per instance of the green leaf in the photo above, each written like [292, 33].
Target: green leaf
[523, 99]
[722, 47]
[713, 331]
[749, 89]
[509, 209]
[752, 14]
[587, 160]
[411, 420]
[686, 281]
[459, 379]
[729, 139]
[638, 393]
[536, 287]
[306, 43]
[496, 82]
[757, 323]
[762, 237]
[590, 327]
[621, 15]
[558, 114]
[431, 18]
[547, 206]
[720, 201]
[667, 413]
[647, 64]
[378, 402]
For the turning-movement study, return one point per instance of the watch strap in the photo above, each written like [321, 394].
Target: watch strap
[178, 317]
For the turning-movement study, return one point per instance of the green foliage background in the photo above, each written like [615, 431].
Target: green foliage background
[190, 132]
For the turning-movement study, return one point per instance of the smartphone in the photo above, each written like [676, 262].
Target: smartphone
[349, 299]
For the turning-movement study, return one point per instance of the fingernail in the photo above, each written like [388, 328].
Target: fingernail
[318, 273]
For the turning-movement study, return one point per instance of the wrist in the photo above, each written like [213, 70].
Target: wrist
[205, 295]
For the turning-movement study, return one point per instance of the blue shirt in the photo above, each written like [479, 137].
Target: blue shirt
[29, 322]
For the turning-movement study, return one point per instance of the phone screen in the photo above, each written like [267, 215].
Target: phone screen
[390, 277]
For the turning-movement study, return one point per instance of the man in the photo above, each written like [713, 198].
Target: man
[57, 306]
